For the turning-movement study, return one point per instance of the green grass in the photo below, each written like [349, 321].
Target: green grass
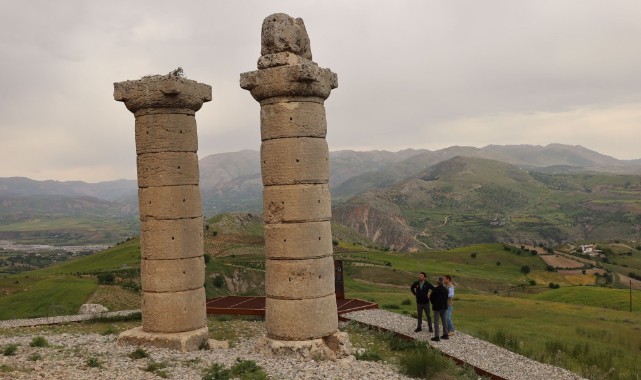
[615, 299]
[45, 297]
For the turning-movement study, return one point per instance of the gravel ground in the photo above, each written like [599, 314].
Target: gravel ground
[476, 352]
[67, 355]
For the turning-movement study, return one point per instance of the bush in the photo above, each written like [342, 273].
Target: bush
[473, 255]
[157, 368]
[139, 353]
[34, 357]
[106, 278]
[549, 268]
[423, 364]
[525, 269]
[533, 252]
[532, 282]
[10, 349]
[391, 306]
[498, 263]
[93, 362]
[248, 370]
[406, 301]
[219, 281]
[207, 257]
[38, 341]
[368, 355]
[553, 285]
[335, 242]
[216, 372]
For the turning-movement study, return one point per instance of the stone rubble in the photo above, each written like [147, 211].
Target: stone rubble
[66, 359]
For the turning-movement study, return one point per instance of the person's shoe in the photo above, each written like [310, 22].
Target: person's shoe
[435, 339]
[451, 332]
[445, 336]
[431, 330]
[418, 329]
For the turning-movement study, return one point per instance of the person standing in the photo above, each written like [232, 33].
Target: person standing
[420, 289]
[439, 305]
[450, 303]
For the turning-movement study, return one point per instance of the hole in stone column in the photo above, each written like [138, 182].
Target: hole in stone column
[319, 277]
[178, 166]
[297, 160]
[290, 279]
[282, 203]
[284, 240]
[181, 131]
[149, 202]
[147, 132]
[319, 201]
[184, 200]
[290, 119]
[264, 162]
[172, 238]
[184, 272]
[319, 238]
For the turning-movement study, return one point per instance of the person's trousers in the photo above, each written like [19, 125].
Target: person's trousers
[448, 318]
[439, 314]
[419, 310]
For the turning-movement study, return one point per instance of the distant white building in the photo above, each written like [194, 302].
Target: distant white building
[590, 250]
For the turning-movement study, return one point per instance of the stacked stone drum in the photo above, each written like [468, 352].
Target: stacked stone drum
[171, 236]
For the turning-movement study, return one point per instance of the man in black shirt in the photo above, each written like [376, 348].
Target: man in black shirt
[420, 289]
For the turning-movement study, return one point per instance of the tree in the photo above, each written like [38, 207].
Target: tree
[525, 269]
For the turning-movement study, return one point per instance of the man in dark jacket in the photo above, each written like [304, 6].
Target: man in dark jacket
[439, 305]
[420, 289]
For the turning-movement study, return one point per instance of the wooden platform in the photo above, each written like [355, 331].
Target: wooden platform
[256, 305]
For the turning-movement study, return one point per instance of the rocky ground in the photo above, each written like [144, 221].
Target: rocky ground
[95, 356]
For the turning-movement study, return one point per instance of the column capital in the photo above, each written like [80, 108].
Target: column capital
[162, 94]
[285, 68]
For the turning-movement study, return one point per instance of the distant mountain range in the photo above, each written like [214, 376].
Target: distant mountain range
[232, 182]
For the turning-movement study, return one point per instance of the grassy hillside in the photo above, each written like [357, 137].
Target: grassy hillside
[465, 200]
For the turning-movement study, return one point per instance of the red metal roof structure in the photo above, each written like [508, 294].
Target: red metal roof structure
[256, 305]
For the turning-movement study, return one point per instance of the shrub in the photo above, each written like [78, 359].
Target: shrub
[406, 301]
[93, 362]
[498, 263]
[248, 370]
[533, 252]
[422, 363]
[10, 349]
[391, 306]
[219, 281]
[368, 355]
[34, 357]
[38, 341]
[525, 269]
[216, 372]
[207, 257]
[397, 343]
[532, 282]
[473, 255]
[335, 242]
[109, 331]
[106, 278]
[157, 368]
[549, 268]
[139, 353]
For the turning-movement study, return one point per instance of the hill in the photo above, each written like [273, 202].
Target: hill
[471, 200]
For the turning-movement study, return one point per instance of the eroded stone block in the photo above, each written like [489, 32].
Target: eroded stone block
[293, 161]
[166, 133]
[298, 240]
[169, 202]
[167, 169]
[296, 203]
[300, 279]
[293, 119]
[282, 33]
[300, 319]
[164, 239]
[172, 275]
[174, 312]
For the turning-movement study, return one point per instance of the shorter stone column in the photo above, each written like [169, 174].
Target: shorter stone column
[171, 237]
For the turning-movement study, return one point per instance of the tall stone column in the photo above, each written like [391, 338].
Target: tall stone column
[299, 285]
[171, 233]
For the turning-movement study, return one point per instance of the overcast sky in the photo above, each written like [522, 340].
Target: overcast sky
[411, 74]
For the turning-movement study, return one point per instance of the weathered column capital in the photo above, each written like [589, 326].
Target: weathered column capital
[285, 68]
[162, 94]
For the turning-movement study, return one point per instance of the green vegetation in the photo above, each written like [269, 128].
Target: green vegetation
[38, 341]
[10, 349]
[139, 353]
